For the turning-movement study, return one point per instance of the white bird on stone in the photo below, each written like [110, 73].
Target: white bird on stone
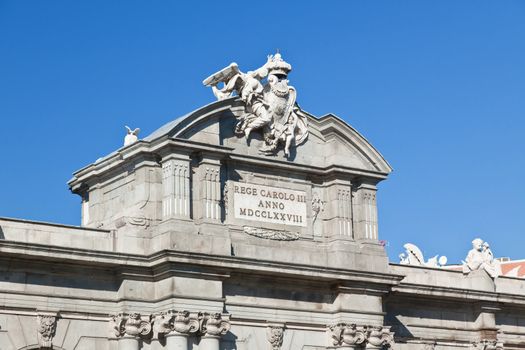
[131, 137]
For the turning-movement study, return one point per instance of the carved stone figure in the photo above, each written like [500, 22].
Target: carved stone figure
[480, 257]
[275, 335]
[132, 136]
[269, 105]
[414, 256]
[46, 330]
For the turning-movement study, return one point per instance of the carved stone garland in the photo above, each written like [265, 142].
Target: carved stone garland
[275, 335]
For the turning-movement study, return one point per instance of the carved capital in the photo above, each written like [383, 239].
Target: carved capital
[135, 326]
[215, 324]
[487, 344]
[161, 323]
[378, 337]
[186, 322]
[116, 325]
[47, 324]
[275, 334]
[131, 325]
[347, 334]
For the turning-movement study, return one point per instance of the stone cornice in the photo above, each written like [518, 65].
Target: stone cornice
[450, 293]
[143, 267]
[165, 145]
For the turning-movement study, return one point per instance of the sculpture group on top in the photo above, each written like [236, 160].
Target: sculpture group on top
[270, 103]
[414, 256]
[480, 257]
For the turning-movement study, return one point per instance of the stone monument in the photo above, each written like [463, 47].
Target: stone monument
[247, 224]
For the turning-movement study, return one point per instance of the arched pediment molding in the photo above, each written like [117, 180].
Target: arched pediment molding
[322, 130]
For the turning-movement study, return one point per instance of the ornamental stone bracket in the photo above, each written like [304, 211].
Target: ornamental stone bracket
[46, 328]
[351, 336]
[275, 335]
[128, 325]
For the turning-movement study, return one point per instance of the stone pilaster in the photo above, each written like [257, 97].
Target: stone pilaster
[339, 212]
[208, 190]
[176, 189]
[365, 212]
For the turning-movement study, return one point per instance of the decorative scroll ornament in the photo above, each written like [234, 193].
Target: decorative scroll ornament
[347, 334]
[480, 257]
[161, 324]
[186, 322]
[277, 235]
[131, 325]
[47, 325]
[430, 346]
[269, 105]
[215, 324]
[275, 335]
[378, 337]
[116, 325]
[135, 326]
[182, 322]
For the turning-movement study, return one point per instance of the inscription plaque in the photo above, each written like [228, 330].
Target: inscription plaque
[269, 204]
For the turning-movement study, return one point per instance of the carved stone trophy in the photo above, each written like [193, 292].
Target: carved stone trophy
[269, 103]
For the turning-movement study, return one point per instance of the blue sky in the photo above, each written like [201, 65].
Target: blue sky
[438, 87]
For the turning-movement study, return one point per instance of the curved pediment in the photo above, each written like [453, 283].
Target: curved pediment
[330, 141]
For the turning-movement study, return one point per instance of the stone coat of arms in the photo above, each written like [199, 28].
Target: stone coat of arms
[269, 103]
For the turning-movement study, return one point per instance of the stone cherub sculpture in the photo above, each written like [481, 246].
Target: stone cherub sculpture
[269, 105]
[132, 136]
[480, 257]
